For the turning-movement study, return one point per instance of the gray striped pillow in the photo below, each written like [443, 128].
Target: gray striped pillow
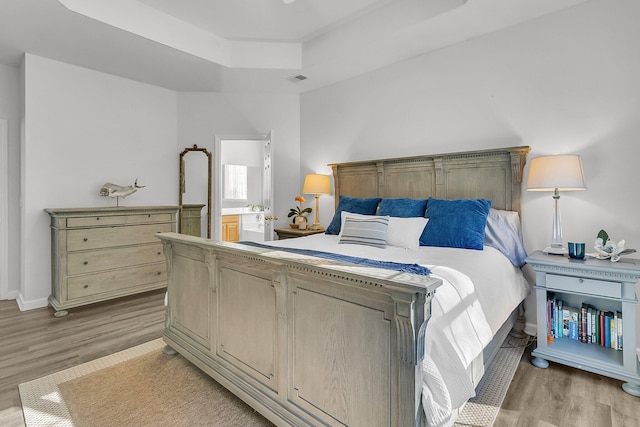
[370, 230]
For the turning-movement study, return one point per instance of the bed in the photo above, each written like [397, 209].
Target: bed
[306, 338]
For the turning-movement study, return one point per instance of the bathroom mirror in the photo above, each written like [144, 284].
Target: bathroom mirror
[194, 192]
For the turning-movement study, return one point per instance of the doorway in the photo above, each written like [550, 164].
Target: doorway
[243, 188]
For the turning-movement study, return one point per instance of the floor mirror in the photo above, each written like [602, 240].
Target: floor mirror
[195, 191]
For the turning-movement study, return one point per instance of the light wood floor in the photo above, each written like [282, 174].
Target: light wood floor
[34, 344]
[565, 396]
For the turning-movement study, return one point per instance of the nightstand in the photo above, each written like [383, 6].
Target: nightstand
[599, 287]
[290, 233]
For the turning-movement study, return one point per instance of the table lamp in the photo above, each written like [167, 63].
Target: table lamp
[556, 173]
[317, 185]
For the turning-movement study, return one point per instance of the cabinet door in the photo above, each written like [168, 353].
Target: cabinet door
[225, 232]
[191, 226]
[230, 228]
[233, 232]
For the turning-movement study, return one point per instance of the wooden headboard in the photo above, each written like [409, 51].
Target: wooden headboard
[495, 175]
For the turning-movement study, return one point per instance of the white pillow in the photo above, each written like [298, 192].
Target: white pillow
[405, 232]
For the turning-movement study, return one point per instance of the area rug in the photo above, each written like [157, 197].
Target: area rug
[144, 387]
[483, 409]
[140, 386]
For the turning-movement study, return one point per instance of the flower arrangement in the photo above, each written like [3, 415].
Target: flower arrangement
[298, 210]
[609, 249]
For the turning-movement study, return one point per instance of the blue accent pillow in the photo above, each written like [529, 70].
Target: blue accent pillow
[456, 223]
[403, 207]
[352, 204]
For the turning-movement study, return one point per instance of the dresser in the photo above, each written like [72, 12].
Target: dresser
[191, 219]
[103, 253]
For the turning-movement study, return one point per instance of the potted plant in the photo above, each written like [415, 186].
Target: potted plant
[298, 213]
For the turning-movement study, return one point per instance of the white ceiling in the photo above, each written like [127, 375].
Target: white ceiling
[248, 45]
[265, 19]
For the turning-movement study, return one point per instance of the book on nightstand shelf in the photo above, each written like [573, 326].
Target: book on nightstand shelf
[574, 322]
[607, 329]
[619, 330]
[566, 319]
[586, 324]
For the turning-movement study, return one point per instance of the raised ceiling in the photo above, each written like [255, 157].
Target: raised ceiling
[266, 20]
[248, 45]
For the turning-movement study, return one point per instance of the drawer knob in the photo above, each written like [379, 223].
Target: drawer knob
[85, 286]
[86, 263]
[581, 280]
[98, 219]
[159, 273]
[159, 253]
[86, 239]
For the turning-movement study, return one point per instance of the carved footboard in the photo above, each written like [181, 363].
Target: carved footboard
[303, 342]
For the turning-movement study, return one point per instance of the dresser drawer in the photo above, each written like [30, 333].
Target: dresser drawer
[106, 220]
[584, 286]
[96, 238]
[190, 213]
[115, 280]
[80, 262]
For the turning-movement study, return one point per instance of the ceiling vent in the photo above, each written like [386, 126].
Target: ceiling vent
[298, 78]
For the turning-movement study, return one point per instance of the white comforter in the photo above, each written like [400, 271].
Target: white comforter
[479, 290]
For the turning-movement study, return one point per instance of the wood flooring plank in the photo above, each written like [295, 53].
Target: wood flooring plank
[579, 412]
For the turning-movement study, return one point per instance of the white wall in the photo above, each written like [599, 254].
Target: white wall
[10, 111]
[564, 83]
[202, 116]
[83, 128]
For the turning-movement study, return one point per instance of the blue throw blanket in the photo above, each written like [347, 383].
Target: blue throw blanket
[388, 265]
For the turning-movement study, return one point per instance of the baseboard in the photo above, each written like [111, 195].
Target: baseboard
[11, 295]
[25, 305]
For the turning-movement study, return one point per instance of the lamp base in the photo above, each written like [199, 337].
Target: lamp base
[555, 250]
[316, 226]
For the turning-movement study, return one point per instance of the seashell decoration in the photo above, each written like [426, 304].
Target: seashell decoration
[608, 249]
[116, 191]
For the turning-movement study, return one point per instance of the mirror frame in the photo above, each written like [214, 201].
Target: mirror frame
[195, 148]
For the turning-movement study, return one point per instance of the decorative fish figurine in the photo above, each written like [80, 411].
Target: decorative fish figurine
[113, 190]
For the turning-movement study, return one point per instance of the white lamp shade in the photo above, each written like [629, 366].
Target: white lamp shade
[562, 172]
[316, 184]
